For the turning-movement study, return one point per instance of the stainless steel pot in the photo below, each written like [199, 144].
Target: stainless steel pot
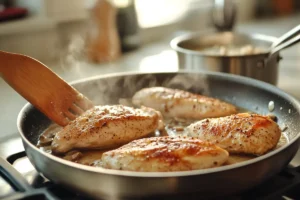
[258, 65]
[246, 65]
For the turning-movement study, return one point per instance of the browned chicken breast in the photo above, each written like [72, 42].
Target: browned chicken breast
[182, 104]
[239, 133]
[163, 154]
[105, 127]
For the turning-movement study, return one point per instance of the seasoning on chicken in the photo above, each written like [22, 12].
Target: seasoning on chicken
[240, 133]
[105, 127]
[182, 104]
[163, 154]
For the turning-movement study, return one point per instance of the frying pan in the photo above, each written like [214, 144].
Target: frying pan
[244, 92]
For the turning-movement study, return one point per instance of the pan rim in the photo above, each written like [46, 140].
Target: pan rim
[245, 80]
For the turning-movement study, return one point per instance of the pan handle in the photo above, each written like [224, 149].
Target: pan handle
[13, 177]
[19, 183]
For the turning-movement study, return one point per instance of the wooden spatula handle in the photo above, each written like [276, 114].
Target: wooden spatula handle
[17, 72]
[30, 78]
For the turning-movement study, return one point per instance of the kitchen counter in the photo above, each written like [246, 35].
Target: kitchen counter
[151, 57]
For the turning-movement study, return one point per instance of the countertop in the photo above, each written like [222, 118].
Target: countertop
[156, 56]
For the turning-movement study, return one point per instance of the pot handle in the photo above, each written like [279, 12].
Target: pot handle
[286, 36]
[286, 40]
[286, 44]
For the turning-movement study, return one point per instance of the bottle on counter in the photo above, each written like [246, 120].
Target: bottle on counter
[127, 24]
[102, 40]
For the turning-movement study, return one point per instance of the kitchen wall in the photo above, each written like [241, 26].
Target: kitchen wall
[46, 33]
[40, 34]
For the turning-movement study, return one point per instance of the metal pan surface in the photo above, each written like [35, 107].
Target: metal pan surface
[244, 92]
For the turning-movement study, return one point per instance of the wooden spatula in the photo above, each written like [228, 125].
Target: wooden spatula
[44, 89]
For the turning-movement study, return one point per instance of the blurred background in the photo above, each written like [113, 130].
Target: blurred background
[79, 39]
[45, 29]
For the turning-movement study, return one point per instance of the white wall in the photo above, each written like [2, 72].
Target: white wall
[52, 23]
[41, 34]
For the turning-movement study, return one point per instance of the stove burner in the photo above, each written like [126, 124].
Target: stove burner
[284, 186]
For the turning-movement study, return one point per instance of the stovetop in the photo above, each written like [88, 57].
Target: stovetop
[32, 185]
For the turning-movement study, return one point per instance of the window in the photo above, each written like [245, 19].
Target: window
[153, 13]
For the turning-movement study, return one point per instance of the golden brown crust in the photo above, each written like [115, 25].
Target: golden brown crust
[105, 127]
[254, 122]
[163, 147]
[168, 93]
[239, 133]
[170, 153]
[179, 103]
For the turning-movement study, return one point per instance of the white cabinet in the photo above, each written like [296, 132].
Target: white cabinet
[41, 34]
[66, 10]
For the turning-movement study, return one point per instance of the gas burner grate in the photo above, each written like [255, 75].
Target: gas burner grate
[284, 186]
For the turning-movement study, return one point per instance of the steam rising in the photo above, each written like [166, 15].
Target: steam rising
[74, 57]
[111, 90]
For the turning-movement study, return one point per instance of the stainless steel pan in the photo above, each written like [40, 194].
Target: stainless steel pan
[97, 182]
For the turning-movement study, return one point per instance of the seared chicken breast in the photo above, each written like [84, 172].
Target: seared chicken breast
[105, 127]
[182, 104]
[163, 154]
[239, 133]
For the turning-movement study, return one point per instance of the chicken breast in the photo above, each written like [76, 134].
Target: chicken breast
[163, 154]
[239, 133]
[182, 104]
[105, 127]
